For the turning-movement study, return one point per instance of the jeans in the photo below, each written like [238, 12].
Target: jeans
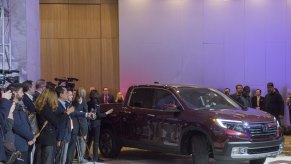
[82, 147]
[47, 154]
[96, 142]
[64, 153]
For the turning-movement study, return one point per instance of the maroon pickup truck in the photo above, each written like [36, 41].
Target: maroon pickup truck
[186, 119]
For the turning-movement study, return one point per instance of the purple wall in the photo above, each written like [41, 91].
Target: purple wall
[216, 43]
[25, 38]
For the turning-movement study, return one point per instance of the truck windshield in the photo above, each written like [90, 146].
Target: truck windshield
[204, 98]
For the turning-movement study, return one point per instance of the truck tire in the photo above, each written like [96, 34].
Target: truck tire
[108, 144]
[199, 150]
[258, 161]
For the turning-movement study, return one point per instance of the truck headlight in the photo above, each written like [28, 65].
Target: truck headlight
[277, 122]
[234, 125]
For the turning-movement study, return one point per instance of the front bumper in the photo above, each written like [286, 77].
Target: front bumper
[250, 150]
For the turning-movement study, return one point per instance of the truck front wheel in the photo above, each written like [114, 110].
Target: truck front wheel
[258, 161]
[108, 144]
[199, 150]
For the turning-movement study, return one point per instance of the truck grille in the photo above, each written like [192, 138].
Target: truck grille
[263, 150]
[262, 130]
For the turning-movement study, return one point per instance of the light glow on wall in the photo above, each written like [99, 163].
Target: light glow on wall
[213, 43]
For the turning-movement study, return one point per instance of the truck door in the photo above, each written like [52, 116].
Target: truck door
[134, 120]
[166, 122]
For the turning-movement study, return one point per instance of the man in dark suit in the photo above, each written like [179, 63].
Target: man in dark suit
[106, 97]
[40, 85]
[28, 90]
[5, 105]
[65, 128]
[24, 136]
[258, 101]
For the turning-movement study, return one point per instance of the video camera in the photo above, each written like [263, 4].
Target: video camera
[67, 82]
[8, 77]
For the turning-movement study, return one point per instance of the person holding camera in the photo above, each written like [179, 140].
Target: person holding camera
[5, 105]
[46, 105]
[95, 124]
[23, 134]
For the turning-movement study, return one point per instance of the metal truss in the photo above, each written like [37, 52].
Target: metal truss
[6, 74]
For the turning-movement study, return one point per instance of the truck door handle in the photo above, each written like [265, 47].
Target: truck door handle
[127, 112]
[151, 115]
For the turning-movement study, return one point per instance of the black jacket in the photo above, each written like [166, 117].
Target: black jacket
[28, 104]
[94, 106]
[48, 135]
[110, 99]
[261, 103]
[237, 98]
[21, 129]
[35, 96]
[274, 104]
[4, 110]
[64, 128]
[80, 121]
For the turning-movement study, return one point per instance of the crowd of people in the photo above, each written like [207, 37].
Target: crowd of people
[45, 123]
[272, 103]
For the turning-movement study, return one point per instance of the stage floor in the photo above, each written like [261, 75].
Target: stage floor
[137, 156]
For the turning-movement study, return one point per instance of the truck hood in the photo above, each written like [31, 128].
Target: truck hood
[248, 115]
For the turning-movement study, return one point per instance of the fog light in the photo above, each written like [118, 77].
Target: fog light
[281, 148]
[239, 150]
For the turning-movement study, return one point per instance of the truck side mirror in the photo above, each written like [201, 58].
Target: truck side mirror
[171, 108]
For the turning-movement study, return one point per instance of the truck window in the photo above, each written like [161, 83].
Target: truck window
[204, 98]
[142, 98]
[164, 100]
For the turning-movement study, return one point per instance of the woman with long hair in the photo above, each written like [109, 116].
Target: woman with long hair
[119, 97]
[80, 105]
[95, 124]
[46, 105]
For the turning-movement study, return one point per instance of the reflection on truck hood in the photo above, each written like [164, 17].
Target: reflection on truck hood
[249, 115]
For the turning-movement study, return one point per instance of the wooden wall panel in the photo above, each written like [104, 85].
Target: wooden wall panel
[85, 61]
[109, 20]
[54, 1]
[85, 1]
[110, 64]
[54, 58]
[71, 1]
[109, 1]
[84, 21]
[81, 40]
[54, 21]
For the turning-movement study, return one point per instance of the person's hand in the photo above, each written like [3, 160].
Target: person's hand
[30, 143]
[58, 143]
[70, 110]
[92, 115]
[6, 95]
[34, 139]
[12, 108]
[109, 111]
[258, 108]
[281, 116]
